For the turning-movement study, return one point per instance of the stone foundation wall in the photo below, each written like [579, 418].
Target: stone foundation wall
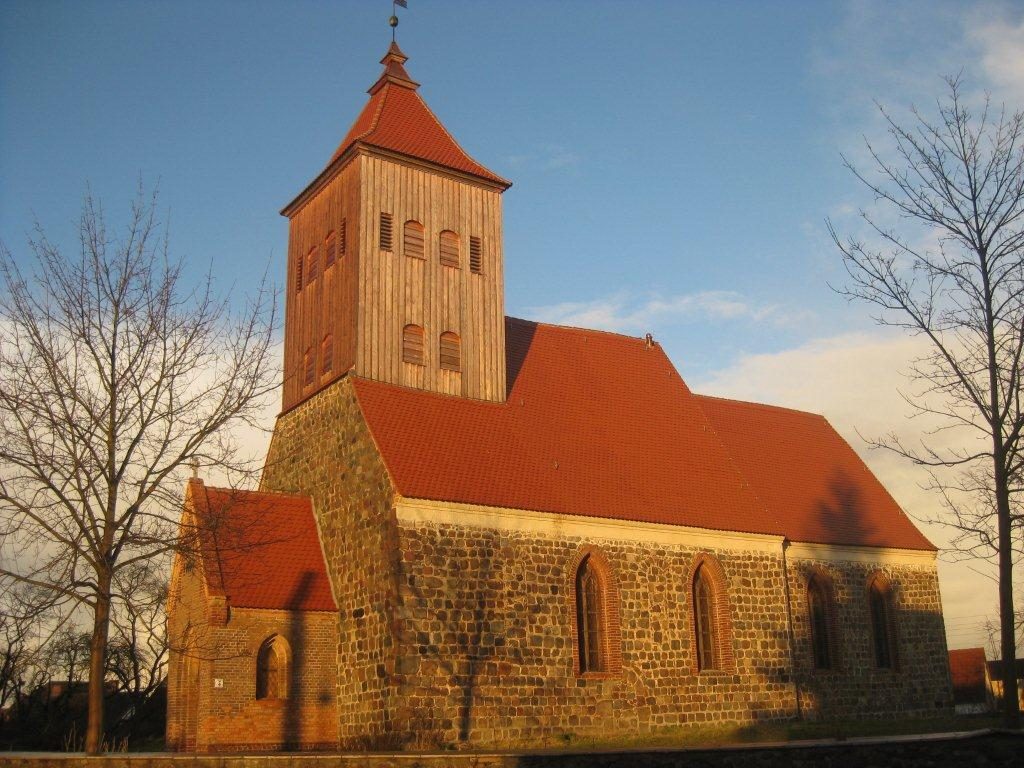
[981, 749]
[323, 448]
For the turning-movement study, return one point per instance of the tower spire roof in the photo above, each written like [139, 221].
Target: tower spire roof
[397, 119]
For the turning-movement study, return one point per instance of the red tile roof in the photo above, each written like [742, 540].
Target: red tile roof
[397, 119]
[967, 668]
[261, 550]
[602, 425]
[809, 476]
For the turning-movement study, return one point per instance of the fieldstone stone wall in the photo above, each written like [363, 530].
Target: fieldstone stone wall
[919, 682]
[486, 634]
[323, 448]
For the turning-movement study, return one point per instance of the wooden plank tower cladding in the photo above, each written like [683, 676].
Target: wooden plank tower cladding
[398, 164]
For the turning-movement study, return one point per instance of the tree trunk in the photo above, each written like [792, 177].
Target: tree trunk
[97, 666]
[1007, 616]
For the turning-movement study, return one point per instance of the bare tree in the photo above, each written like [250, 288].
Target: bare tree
[951, 272]
[137, 656]
[116, 374]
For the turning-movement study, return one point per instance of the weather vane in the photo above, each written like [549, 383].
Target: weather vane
[393, 21]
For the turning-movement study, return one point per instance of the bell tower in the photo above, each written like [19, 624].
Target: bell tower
[395, 263]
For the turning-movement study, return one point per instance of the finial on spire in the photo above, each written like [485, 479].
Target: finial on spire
[393, 21]
[394, 70]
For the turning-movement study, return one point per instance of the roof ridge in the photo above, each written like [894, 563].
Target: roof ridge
[580, 329]
[761, 406]
[286, 494]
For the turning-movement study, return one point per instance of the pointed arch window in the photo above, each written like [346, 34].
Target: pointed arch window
[590, 619]
[451, 351]
[412, 344]
[412, 239]
[819, 616]
[449, 248]
[272, 669]
[883, 628]
[704, 620]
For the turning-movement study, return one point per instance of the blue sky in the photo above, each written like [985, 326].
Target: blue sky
[673, 163]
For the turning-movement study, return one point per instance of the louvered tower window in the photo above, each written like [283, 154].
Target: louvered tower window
[312, 264]
[476, 255]
[412, 344]
[342, 237]
[413, 240]
[330, 249]
[451, 351]
[298, 273]
[308, 367]
[449, 248]
[327, 354]
[385, 232]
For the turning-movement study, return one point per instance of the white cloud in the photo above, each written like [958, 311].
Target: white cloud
[1000, 46]
[627, 313]
[855, 380]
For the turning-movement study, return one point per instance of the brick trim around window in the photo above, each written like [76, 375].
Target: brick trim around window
[711, 570]
[611, 628]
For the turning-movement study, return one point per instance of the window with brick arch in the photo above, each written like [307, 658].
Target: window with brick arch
[704, 621]
[449, 248]
[819, 610]
[412, 344]
[451, 351]
[412, 240]
[590, 620]
[272, 669]
[883, 628]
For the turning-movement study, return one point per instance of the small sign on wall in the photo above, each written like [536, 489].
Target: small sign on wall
[218, 682]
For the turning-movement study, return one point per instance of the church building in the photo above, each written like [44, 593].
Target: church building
[480, 531]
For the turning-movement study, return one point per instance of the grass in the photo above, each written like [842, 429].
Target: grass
[725, 735]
